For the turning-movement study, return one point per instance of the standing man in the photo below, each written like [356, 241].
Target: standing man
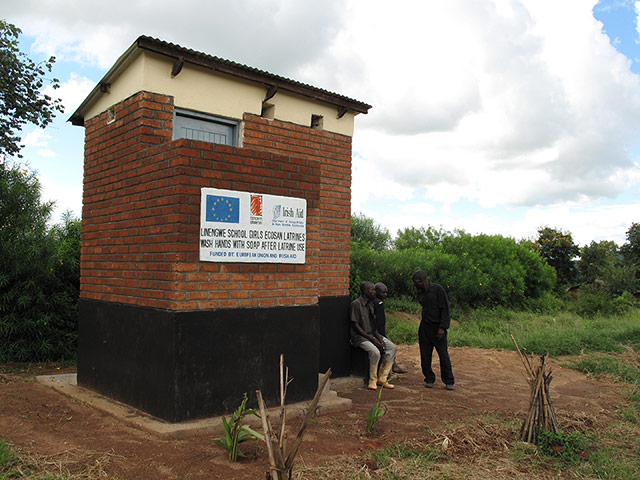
[381, 318]
[365, 335]
[433, 329]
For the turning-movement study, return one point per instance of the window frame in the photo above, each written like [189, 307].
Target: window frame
[206, 118]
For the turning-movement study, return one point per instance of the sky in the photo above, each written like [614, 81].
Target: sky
[489, 116]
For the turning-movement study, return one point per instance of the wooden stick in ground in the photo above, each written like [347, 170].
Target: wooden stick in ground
[310, 413]
[278, 468]
[527, 365]
[284, 379]
[266, 427]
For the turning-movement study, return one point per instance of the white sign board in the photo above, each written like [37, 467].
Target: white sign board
[252, 227]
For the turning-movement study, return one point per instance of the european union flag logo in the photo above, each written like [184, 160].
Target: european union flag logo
[223, 209]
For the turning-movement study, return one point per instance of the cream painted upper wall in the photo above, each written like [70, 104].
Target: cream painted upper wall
[203, 90]
[297, 109]
[125, 85]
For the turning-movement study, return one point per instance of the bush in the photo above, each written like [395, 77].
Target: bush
[621, 279]
[394, 268]
[39, 274]
[480, 271]
[546, 303]
[592, 300]
[568, 447]
[497, 271]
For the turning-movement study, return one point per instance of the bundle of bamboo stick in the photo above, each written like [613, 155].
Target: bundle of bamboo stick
[541, 415]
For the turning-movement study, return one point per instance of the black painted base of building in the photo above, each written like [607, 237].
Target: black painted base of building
[186, 365]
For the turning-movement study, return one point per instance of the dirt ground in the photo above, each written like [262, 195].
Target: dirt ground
[65, 434]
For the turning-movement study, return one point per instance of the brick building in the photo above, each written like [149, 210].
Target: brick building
[159, 329]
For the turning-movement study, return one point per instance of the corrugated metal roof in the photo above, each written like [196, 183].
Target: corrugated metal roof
[182, 55]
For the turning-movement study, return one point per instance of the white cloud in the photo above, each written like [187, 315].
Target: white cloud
[66, 197]
[515, 107]
[72, 92]
[279, 34]
[508, 104]
[368, 184]
[36, 138]
[585, 223]
[47, 153]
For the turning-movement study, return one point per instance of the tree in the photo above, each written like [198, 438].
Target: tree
[366, 232]
[631, 248]
[21, 99]
[39, 273]
[559, 251]
[597, 260]
[423, 238]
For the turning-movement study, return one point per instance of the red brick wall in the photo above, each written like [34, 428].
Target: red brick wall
[333, 219]
[141, 212]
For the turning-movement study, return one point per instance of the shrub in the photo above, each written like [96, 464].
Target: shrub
[39, 274]
[568, 447]
[480, 271]
[592, 300]
[546, 303]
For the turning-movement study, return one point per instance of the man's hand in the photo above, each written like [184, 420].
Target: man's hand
[440, 334]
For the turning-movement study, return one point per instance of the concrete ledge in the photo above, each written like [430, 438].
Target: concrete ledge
[67, 385]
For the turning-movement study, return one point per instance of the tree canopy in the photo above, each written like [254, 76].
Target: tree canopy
[631, 249]
[21, 97]
[366, 232]
[597, 260]
[558, 249]
[421, 237]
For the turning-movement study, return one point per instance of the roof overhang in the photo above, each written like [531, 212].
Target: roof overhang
[180, 55]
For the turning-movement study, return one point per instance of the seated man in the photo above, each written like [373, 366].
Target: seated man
[365, 335]
[381, 318]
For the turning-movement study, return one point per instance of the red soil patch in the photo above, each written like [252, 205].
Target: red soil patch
[61, 431]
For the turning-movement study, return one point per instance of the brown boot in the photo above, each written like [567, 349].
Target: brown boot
[398, 369]
[385, 368]
[373, 377]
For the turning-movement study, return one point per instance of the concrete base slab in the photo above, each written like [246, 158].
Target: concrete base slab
[67, 384]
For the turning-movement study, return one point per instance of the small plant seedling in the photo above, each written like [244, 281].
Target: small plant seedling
[235, 432]
[377, 412]
[568, 447]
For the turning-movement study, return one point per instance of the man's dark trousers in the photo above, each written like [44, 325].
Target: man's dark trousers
[428, 338]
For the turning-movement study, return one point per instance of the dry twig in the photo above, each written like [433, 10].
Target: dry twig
[279, 468]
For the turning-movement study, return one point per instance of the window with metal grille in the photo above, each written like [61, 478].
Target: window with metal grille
[206, 128]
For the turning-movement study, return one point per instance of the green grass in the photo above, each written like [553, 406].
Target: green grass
[631, 412]
[401, 331]
[402, 304]
[403, 451]
[8, 458]
[561, 333]
[13, 466]
[612, 366]
[607, 463]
